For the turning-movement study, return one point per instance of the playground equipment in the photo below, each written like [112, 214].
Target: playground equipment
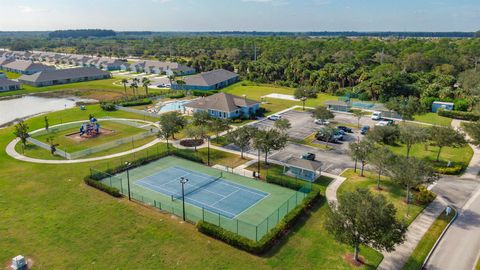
[91, 129]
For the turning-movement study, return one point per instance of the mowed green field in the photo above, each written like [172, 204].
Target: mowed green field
[272, 105]
[393, 192]
[51, 216]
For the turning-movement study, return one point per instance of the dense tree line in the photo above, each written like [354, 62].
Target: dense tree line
[82, 33]
[367, 68]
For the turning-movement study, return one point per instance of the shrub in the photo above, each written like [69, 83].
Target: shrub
[108, 106]
[469, 116]
[453, 170]
[176, 95]
[385, 134]
[424, 196]
[145, 101]
[187, 154]
[286, 181]
[461, 105]
[101, 186]
[267, 240]
[199, 93]
[191, 142]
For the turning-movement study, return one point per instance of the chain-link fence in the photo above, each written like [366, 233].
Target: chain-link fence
[194, 214]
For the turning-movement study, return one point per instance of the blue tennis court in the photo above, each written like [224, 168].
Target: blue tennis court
[205, 191]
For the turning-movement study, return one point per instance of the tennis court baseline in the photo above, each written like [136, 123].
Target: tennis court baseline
[204, 191]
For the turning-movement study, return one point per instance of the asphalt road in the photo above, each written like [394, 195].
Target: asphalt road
[460, 247]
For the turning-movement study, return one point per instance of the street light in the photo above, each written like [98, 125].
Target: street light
[303, 99]
[183, 181]
[128, 179]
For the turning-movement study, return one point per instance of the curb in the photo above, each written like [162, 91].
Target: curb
[439, 238]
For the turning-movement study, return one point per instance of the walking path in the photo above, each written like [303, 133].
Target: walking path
[460, 246]
[416, 230]
[397, 258]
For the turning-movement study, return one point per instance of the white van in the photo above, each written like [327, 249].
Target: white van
[377, 116]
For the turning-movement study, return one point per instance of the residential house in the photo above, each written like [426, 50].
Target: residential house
[25, 67]
[211, 80]
[9, 85]
[64, 76]
[223, 105]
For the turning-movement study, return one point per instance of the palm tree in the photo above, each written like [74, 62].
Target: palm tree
[124, 82]
[133, 86]
[146, 82]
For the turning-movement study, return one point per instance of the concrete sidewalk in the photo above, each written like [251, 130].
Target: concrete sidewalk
[397, 258]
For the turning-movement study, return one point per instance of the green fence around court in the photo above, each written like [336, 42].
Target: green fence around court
[194, 214]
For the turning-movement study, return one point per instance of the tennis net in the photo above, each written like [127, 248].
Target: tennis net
[193, 188]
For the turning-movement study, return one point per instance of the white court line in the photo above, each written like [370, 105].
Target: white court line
[252, 206]
[221, 210]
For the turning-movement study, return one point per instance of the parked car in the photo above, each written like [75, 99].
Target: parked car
[340, 134]
[309, 156]
[376, 116]
[364, 130]
[323, 136]
[322, 122]
[384, 123]
[345, 129]
[274, 117]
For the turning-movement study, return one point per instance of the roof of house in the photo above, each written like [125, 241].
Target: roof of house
[62, 74]
[443, 103]
[7, 82]
[162, 65]
[210, 78]
[5, 60]
[221, 102]
[26, 65]
[310, 165]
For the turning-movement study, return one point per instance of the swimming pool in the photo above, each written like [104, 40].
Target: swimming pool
[174, 106]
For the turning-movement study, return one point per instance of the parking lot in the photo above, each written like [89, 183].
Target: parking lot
[302, 125]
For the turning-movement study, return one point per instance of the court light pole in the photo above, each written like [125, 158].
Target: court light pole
[208, 151]
[183, 181]
[128, 179]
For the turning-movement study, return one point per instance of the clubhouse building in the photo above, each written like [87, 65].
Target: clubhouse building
[223, 105]
[64, 76]
[211, 80]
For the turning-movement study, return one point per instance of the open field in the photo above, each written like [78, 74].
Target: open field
[458, 156]
[255, 92]
[434, 119]
[393, 192]
[428, 240]
[50, 214]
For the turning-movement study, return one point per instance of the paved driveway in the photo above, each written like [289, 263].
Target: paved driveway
[302, 124]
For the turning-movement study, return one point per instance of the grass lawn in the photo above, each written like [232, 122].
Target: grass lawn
[393, 192]
[11, 75]
[273, 105]
[51, 216]
[312, 141]
[458, 156]
[428, 240]
[119, 131]
[434, 119]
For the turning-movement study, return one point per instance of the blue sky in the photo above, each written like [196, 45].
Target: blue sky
[242, 15]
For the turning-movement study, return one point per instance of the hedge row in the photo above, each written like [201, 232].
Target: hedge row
[145, 101]
[469, 116]
[200, 93]
[453, 170]
[459, 104]
[270, 238]
[285, 181]
[101, 186]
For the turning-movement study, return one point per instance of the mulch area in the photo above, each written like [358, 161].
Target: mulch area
[77, 138]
